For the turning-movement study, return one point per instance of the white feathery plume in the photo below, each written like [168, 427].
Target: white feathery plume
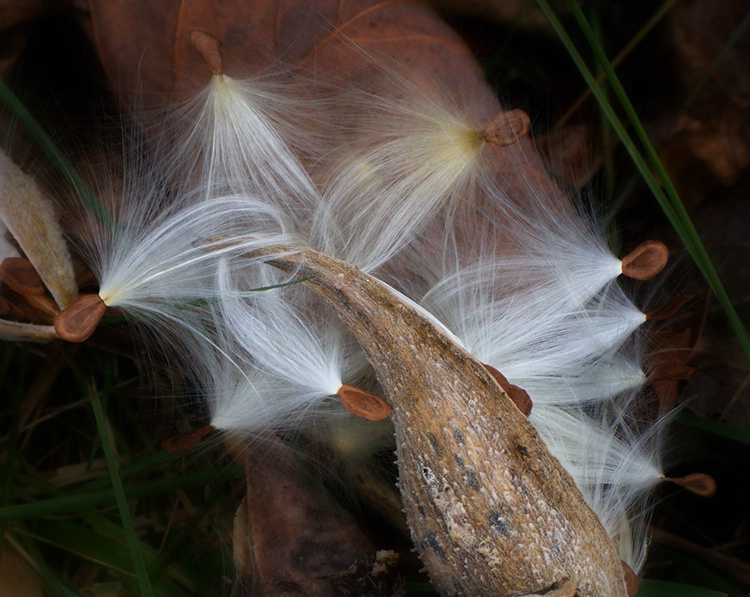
[614, 463]
[154, 254]
[235, 137]
[295, 353]
[401, 164]
[565, 346]
[533, 294]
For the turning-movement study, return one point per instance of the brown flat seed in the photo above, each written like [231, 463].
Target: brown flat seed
[670, 370]
[21, 277]
[363, 404]
[4, 306]
[185, 441]
[670, 308]
[646, 260]
[79, 319]
[210, 50]
[519, 396]
[631, 579]
[696, 483]
[506, 128]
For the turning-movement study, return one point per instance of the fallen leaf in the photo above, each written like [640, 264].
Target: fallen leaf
[299, 539]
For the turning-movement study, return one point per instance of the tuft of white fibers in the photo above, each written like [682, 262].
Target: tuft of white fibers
[154, 251]
[294, 352]
[235, 138]
[400, 166]
[573, 349]
[172, 258]
[503, 317]
[547, 248]
[614, 459]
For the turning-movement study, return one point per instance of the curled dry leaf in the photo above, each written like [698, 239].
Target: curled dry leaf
[473, 472]
[302, 542]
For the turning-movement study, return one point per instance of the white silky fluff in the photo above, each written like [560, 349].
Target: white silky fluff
[224, 184]
[237, 141]
[569, 347]
[380, 195]
[294, 351]
[526, 285]
[533, 295]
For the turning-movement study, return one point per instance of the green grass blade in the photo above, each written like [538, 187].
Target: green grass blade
[667, 197]
[98, 497]
[127, 522]
[655, 19]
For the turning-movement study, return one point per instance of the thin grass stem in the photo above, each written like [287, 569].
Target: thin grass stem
[56, 156]
[667, 197]
[122, 505]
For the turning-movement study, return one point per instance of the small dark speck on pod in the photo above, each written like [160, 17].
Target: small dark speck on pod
[523, 451]
[460, 461]
[471, 479]
[459, 436]
[498, 524]
[430, 540]
[434, 443]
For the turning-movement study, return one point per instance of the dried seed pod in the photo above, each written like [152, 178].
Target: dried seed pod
[31, 219]
[491, 511]
[26, 332]
[21, 277]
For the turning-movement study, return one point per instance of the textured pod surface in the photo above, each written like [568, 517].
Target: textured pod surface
[491, 511]
[32, 221]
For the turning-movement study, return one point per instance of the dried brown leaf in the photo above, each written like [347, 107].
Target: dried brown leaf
[302, 542]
